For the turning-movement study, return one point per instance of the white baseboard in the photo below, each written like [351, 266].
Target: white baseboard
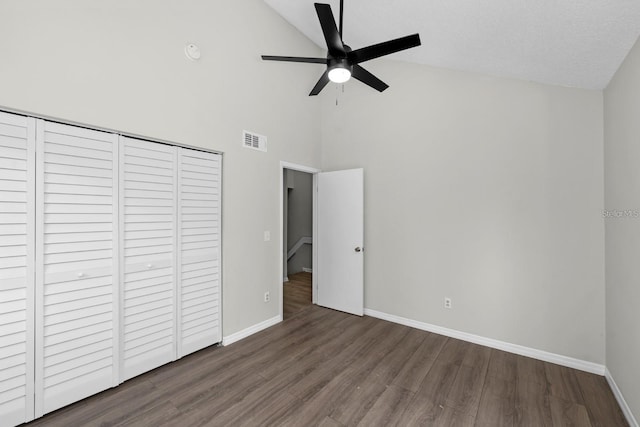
[558, 359]
[620, 398]
[285, 279]
[230, 339]
[307, 270]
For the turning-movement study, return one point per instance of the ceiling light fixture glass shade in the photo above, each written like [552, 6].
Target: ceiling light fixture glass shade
[339, 74]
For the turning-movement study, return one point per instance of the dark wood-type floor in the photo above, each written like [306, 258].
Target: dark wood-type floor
[326, 368]
[296, 293]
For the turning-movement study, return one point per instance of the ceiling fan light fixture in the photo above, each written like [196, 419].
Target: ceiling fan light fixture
[339, 74]
[339, 70]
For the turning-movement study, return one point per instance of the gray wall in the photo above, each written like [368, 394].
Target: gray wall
[622, 190]
[300, 219]
[121, 65]
[488, 191]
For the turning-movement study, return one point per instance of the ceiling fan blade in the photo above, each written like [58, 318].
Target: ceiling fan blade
[324, 80]
[385, 48]
[295, 59]
[369, 79]
[330, 31]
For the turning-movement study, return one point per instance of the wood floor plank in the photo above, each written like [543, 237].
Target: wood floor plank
[356, 360]
[497, 404]
[530, 370]
[270, 393]
[450, 417]
[569, 414]
[311, 318]
[388, 408]
[397, 357]
[358, 401]
[322, 367]
[599, 400]
[532, 406]
[215, 398]
[323, 403]
[417, 367]
[439, 380]
[503, 365]
[454, 351]
[347, 332]
[312, 352]
[466, 390]
[161, 413]
[563, 383]
[477, 356]
[428, 403]
[421, 411]
[274, 410]
[361, 347]
[108, 407]
[329, 422]
[192, 389]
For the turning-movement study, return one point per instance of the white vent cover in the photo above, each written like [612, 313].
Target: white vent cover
[253, 140]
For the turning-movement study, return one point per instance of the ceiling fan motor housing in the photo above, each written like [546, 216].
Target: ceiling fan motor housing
[339, 63]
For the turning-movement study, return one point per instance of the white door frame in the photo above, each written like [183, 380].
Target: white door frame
[314, 253]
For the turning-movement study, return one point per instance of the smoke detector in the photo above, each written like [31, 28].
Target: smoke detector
[192, 51]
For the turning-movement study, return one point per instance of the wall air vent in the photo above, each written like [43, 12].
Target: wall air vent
[254, 141]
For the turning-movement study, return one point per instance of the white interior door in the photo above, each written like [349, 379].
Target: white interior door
[340, 239]
[17, 228]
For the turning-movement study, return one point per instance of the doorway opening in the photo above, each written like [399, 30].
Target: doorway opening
[297, 237]
[336, 240]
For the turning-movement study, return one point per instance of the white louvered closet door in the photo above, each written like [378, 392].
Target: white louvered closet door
[76, 274]
[148, 200]
[199, 250]
[17, 174]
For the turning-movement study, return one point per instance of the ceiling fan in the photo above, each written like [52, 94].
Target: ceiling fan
[342, 62]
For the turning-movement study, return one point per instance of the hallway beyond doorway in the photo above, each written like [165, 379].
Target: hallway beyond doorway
[297, 293]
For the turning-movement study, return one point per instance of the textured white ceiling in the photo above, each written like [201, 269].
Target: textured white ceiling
[578, 43]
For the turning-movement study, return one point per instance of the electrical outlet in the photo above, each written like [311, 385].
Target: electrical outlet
[267, 236]
[267, 297]
[447, 303]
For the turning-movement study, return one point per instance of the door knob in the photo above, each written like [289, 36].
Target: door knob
[358, 249]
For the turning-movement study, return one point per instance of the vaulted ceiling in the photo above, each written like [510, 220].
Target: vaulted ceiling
[577, 43]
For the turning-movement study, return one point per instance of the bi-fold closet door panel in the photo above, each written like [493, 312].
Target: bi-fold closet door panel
[198, 250]
[148, 200]
[76, 271]
[170, 198]
[17, 274]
